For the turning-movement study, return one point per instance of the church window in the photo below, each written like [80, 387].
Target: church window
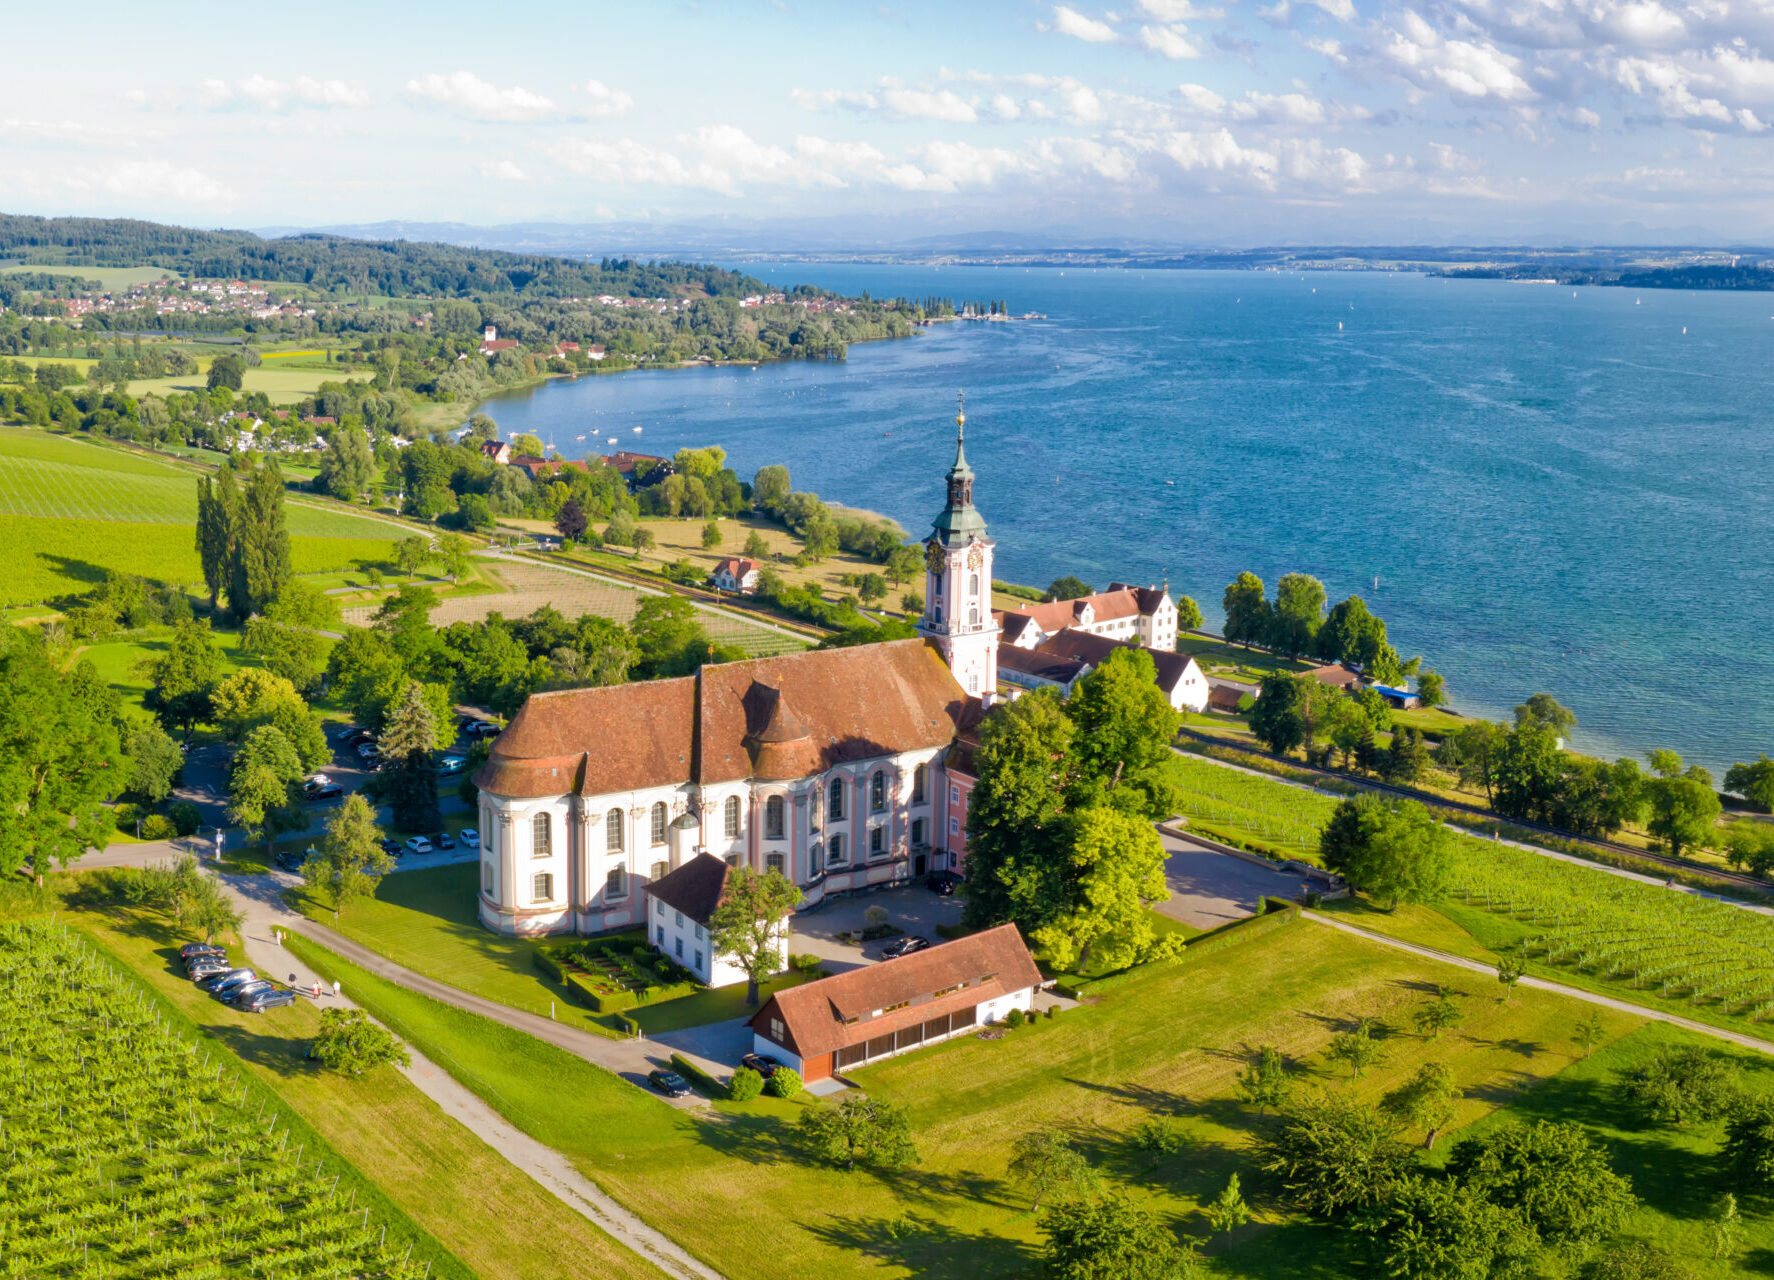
[954, 795]
[918, 776]
[731, 817]
[835, 850]
[954, 826]
[544, 887]
[973, 682]
[836, 807]
[877, 841]
[659, 872]
[815, 859]
[918, 839]
[773, 818]
[613, 831]
[973, 586]
[936, 611]
[659, 816]
[774, 862]
[542, 841]
[732, 859]
[486, 877]
[878, 792]
[616, 883]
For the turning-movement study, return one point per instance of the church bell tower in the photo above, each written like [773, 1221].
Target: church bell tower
[958, 581]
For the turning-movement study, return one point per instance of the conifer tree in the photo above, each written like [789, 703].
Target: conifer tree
[407, 742]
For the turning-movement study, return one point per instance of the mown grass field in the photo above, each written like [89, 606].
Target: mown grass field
[734, 1186]
[492, 1217]
[111, 279]
[70, 510]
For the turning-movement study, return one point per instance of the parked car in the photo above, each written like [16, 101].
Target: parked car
[325, 791]
[372, 765]
[904, 947]
[762, 1063]
[444, 840]
[290, 860]
[942, 882]
[452, 764]
[392, 847]
[469, 837]
[670, 1083]
[480, 729]
[198, 968]
[418, 844]
[201, 949]
[368, 751]
[358, 735]
[316, 780]
[240, 990]
[225, 989]
[214, 980]
[271, 998]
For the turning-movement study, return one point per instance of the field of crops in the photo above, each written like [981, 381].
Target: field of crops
[127, 1152]
[1246, 810]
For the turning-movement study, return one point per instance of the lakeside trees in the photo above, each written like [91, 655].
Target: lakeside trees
[1295, 624]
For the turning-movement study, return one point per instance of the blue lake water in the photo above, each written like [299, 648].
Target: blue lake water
[1556, 491]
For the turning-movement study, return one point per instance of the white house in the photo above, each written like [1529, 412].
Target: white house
[1141, 615]
[736, 573]
[683, 903]
[878, 1010]
[1179, 675]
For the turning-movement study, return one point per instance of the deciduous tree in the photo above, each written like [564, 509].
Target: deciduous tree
[1299, 612]
[1013, 818]
[1426, 1101]
[860, 1130]
[1113, 872]
[1265, 1081]
[1111, 1237]
[1388, 848]
[349, 863]
[750, 923]
[1335, 1155]
[153, 761]
[1045, 1162]
[1754, 782]
[1068, 587]
[350, 1043]
[1435, 1229]
[1188, 615]
[1247, 612]
[1552, 1173]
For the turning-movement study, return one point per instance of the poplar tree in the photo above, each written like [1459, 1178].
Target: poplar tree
[216, 502]
[259, 562]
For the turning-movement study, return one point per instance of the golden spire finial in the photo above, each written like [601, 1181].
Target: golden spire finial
[961, 411]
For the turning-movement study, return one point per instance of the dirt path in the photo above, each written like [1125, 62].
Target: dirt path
[1557, 988]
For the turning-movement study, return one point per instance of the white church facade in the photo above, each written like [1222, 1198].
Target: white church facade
[843, 769]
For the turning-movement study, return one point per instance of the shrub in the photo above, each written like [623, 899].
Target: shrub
[805, 963]
[1051, 1010]
[545, 959]
[697, 1076]
[157, 826]
[629, 1026]
[125, 815]
[745, 1085]
[785, 1082]
[185, 817]
[1014, 1019]
[348, 1041]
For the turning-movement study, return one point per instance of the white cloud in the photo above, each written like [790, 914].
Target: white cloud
[1218, 150]
[1169, 41]
[1004, 107]
[1309, 161]
[1341, 10]
[155, 183]
[1584, 118]
[1081, 103]
[923, 104]
[606, 101]
[502, 171]
[279, 95]
[1451, 159]
[1203, 99]
[1069, 22]
[1178, 11]
[1465, 68]
[468, 95]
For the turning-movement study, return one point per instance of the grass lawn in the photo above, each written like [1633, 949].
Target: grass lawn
[110, 279]
[733, 1185]
[494, 1218]
[426, 921]
[711, 1004]
[1234, 662]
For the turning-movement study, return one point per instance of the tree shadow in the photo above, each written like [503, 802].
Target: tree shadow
[755, 1139]
[1758, 1260]
[923, 1247]
[1161, 1102]
[79, 570]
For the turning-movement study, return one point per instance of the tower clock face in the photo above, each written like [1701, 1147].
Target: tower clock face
[935, 559]
[976, 556]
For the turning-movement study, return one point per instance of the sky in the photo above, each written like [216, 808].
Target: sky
[1187, 122]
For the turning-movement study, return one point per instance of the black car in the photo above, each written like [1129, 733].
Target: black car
[270, 998]
[670, 1083]
[444, 840]
[241, 990]
[903, 947]
[191, 949]
[325, 791]
[288, 860]
[762, 1063]
[216, 981]
[393, 848]
[942, 882]
[359, 735]
[480, 729]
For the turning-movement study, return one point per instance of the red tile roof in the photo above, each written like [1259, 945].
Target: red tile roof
[1335, 674]
[1082, 646]
[989, 964]
[1120, 601]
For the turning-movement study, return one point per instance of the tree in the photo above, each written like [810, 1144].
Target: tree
[259, 561]
[408, 739]
[1432, 690]
[1388, 848]
[1113, 872]
[262, 796]
[1265, 1080]
[1748, 1149]
[411, 552]
[1727, 1227]
[212, 914]
[1434, 1229]
[350, 862]
[347, 468]
[1509, 972]
[216, 501]
[1227, 1211]
[528, 445]
[1247, 612]
[770, 489]
[1552, 1173]
[1543, 711]
[1589, 1033]
[153, 761]
[755, 546]
[1013, 818]
[748, 923]
[286, 637]
[1749, 844]
[1473, 753]
[1068, 587]
[1335, 1155]
[1346, 727]
[1426, 1101]
[1188, 615]
[1277, 721]
[1683, 805]
[1299, 612]
[904, 564]
[1110, 1237]
[872, 588]
[1351, 634]
[1527, 773]
[1357, 1047]
[1636, 1261]
[349, 1042]
[1047, 1164]
[60, 756]
[452, 553]
[571, 520]
[711, 535]
[860, 1129]
[226, 371]
[1754, 782]
[1685, 1083]
[669, 638]
[252, 697]
[1441, 1014]
[1407, 757]
[1125, 726]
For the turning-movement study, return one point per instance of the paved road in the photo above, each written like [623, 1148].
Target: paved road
[260, 898]
[1541, 984]
[1209, 888]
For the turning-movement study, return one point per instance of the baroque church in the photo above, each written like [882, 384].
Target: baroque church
[843, 769]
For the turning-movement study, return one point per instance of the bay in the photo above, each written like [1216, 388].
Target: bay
[1555, 490]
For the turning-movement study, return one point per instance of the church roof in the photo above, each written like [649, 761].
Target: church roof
[787, 716]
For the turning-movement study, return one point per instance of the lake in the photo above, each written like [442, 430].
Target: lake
[1553, 489]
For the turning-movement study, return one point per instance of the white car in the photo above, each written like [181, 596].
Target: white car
[368, 751]
[317, 780]
[452, 764]
[469, 837]
[418, 844]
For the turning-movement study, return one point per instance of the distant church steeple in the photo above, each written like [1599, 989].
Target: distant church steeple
[958, 579]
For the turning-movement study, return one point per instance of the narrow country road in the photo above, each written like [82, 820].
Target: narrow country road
[1557, 988]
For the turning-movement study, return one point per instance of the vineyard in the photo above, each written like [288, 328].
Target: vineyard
[124, 1151]
[1253, 813]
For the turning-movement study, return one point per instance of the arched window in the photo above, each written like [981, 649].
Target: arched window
[659, 872]
[835, 810]
[773, 818]
[973, 586]
[878, 792]
[616, 884]
[936, 611]
[659, 818]
[918, 775]
[542, 843]
[613, 831]
[731, 817]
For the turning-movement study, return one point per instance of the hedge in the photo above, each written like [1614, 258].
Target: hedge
[602, 1001]
[548, 964]
[697, 1076]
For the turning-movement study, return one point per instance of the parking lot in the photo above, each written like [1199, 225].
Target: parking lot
[913, 910]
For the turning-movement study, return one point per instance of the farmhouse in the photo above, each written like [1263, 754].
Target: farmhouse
[1145, 615]
[736, 574]
[497, 451]
[821, 1028]
[837, 768]
[677, 924]
[1179, 675]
